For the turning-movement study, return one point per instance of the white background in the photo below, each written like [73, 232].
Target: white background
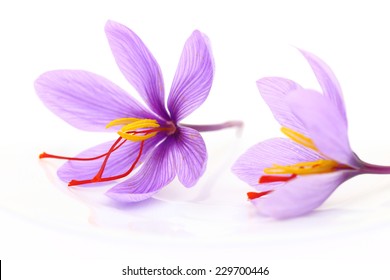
[212, 224]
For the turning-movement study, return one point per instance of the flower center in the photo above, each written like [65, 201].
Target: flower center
[301, 168]
[133, 129]
[304, 168]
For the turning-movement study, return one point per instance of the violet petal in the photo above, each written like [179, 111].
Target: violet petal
[274, 91]
[86, 100]
[193, 78]
[250, 165]
[157, 171]
[321, 119]
[301, 195]
[190, 155]
[328, 82]
[138, 65]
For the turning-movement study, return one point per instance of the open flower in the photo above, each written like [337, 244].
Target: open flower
[296, 175]
[149, 135]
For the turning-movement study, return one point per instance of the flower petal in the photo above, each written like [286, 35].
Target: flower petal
[193, 77]
[118, 162]
[301, 195]
[274, 90]
[190, 155]
[249, 166]
[328, 81]
[138, 65]
[323, 122]
[157, 171]
[85, 100]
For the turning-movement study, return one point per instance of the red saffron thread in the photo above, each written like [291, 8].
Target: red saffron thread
[254, 195]
[272, 178]
[46, 155]
[98, 177]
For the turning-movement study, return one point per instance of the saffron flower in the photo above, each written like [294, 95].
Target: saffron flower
[151, 136]
[296, 175]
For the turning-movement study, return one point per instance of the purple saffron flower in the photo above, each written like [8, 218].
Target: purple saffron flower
[151, 136]
[294, 176]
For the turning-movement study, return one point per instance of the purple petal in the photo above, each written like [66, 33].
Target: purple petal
[190, 155]
[118, 162]
[301, 195]
[85, 100]
[138, 65]
[193, 77]
[274, 90]
[249, 166]
[328, 82]
[323, 122]
[157, 171]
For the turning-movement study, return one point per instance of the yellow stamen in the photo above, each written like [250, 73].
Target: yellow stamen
[299, 138]
[136, 138]
[302, 168]
[135, 129]
[121, 121]
[142, 123]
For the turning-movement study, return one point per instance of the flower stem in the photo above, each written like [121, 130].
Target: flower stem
[375, 169]
[213, 127]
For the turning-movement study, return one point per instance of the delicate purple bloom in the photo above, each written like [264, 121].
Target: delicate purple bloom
[294, 176]
[149, 135]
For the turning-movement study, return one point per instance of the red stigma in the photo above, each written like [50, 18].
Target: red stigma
[273, 179]
[135, 130]
[45, 155]
[99, 176]
[254, 195]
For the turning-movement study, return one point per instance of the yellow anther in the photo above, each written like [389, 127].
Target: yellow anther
[122, 121]
[142, 123]
[299, 138]
[302, 168]
[135, 129]
[136, 138]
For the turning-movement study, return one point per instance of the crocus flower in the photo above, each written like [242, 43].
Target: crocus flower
[149, 135]
[294, 176]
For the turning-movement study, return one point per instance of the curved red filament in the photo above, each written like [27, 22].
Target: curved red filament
[46, 155]
[98, 177]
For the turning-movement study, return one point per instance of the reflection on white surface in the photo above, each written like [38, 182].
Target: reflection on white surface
[216, 208]
[212, 215]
